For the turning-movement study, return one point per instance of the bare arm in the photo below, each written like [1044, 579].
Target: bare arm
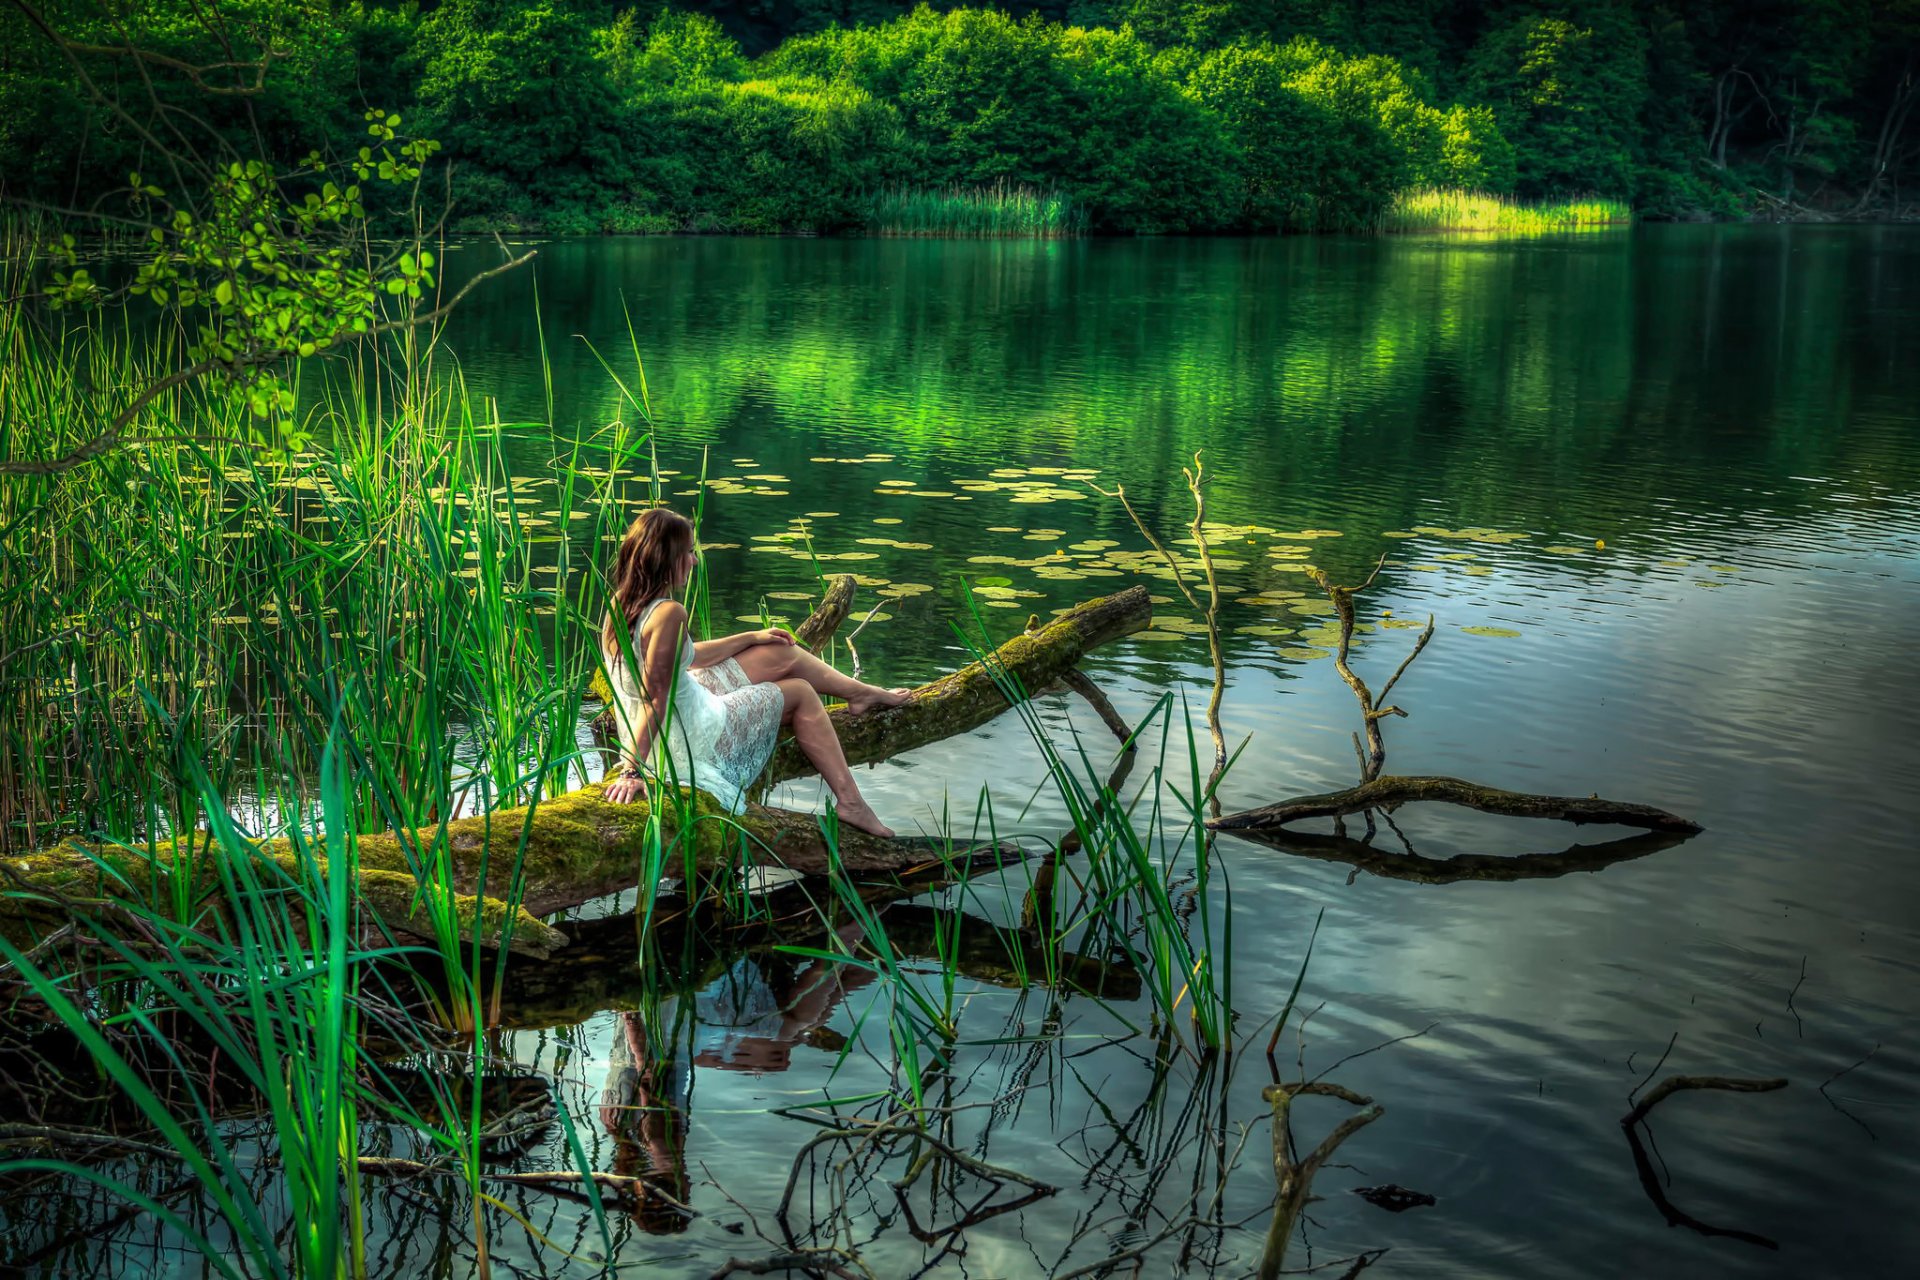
[708, 652]
[658, 653]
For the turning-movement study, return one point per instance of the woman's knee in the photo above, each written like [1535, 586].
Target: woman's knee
[802, 699]
[767, 662]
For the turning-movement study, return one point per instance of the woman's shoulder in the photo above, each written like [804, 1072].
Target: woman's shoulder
[663, 614]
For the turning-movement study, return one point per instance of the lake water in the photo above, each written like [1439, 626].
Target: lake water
[1658, 490]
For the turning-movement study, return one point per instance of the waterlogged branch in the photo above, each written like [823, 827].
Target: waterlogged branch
[1295, 1180]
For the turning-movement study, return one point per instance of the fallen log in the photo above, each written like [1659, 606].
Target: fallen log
[1390, 790]
[576, 847]
[969, 697]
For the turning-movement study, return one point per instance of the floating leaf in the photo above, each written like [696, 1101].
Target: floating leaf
[1503, 632]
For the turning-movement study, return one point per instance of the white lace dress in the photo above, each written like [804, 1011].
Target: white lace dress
[721, 726]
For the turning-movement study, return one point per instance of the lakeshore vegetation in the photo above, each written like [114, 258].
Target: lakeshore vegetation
[1112, 116]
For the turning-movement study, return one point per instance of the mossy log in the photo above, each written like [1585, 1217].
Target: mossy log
[969, 697]
[1390, 790]
[578, 847]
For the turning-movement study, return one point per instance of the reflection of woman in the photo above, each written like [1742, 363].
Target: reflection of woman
[744, 1026]
[744, 1021]
[644, 1110]
[724, 700]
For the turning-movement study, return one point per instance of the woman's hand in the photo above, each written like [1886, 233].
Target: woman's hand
[774, 635]
[624, 787]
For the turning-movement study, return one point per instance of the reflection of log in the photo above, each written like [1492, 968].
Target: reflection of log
[601, 970]
[969, 698]
[1466, 866]
[1390, 790]
[577, 847]
[1650, 1182]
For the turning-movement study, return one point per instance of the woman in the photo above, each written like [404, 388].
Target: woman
[724, 700]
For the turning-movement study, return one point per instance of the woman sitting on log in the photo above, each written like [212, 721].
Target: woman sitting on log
[723, 700]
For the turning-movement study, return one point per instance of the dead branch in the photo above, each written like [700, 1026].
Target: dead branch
[1374, 757]
[1295, 1180]
[819, 626]
[1102, 705]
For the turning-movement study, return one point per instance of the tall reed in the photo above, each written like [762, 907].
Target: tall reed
[1453, 209]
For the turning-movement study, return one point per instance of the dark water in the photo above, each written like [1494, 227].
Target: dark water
[1731, 411]
[1659, 491]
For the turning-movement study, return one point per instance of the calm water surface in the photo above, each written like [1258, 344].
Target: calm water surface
[1658, 491]
[1730, 411]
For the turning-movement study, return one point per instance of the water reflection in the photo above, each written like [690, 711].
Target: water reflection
[748, 1019]
[1362, 855]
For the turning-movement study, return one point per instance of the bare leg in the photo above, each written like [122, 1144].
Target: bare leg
[771, 663]
[814, 732]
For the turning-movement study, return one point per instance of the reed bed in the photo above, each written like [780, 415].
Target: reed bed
[1451, 209]
[1004, 210]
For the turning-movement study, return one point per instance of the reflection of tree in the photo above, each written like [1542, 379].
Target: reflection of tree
[1401, 362]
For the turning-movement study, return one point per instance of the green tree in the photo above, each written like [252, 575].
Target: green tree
[526, 112]
[1568, 95]
[253, 263]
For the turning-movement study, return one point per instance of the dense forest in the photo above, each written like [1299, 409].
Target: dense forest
[577, 116]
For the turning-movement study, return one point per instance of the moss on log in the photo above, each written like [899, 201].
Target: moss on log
[969, 697]
[1389, 790]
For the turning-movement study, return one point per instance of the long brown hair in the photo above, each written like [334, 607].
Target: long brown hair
[643, 568]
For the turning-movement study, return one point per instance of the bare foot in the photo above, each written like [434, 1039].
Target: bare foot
[876, 698]
[861, 816]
